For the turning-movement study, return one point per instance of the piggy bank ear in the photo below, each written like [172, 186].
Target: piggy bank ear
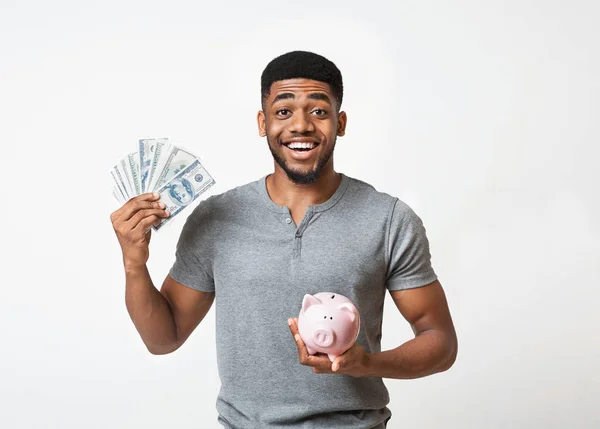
[348, 310]
[308, 301]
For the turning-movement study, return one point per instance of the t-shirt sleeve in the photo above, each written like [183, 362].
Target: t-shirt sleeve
[193, 264]
[408, 250]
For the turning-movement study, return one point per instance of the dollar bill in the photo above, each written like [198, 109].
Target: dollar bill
[176, 160]
[146, 148]
[118, 194]
[118, 177]
[183, 189]
[161, 153]
[133, 162]
[123, 168]
[159, 166]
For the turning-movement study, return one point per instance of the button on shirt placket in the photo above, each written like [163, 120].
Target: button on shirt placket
[297, 246]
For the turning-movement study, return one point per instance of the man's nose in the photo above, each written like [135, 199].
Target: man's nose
[301, 123]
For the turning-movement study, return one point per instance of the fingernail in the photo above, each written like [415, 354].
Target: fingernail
[168, 212]
[289, 322]
[162, 205]
[297, 337]
[156, 194]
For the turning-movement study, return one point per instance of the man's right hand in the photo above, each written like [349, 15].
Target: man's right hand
[132, 224]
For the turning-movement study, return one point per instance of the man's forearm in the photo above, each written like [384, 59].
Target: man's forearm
[428, 353]
[150, 312]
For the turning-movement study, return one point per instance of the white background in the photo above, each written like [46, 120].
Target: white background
[481, 115]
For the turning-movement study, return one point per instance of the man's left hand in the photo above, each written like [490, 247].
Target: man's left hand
[353, 362]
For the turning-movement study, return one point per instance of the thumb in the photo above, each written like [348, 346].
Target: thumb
[338, 363]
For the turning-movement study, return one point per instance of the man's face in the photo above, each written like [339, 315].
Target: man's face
[300, 121]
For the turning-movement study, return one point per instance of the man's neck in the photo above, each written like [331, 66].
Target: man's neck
[284, 192]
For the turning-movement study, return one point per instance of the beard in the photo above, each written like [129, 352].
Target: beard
[301, 177]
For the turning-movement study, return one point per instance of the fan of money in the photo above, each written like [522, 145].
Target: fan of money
[160, 166]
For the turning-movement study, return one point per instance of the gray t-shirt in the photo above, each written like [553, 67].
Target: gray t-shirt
[248, 250]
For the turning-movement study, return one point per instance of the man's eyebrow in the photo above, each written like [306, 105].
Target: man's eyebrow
[319, 96]
[283, 96]
[313, 96]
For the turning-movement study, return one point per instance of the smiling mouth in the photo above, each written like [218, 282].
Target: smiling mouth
[301, 146]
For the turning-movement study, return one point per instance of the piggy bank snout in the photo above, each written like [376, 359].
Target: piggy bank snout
[323, 337]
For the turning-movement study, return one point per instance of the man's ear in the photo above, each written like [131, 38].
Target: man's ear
[341, 123]
[262, 125]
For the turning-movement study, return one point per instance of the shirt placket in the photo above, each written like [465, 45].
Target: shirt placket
[298, 232]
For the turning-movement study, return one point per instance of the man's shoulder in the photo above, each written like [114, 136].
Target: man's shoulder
[375, 201]
[368, 195]
[236, 195]
[231, 200]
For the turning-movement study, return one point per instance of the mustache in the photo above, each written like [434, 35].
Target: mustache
[298, 135]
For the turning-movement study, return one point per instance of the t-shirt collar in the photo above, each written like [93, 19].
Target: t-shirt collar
[337, 195]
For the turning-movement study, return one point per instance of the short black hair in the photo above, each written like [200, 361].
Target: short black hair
[302, 64]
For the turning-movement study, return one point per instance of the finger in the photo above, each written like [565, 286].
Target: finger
[302, 350]
[143, 214]
[144, 227]
[126, 211]
[303, 355]
[321, 361]
[348, 359]
[293, 326]
[343, 360]
[146, 223]
[137, 206]
[338, 363]
[150, 196]
[323, 366]
[320, 370]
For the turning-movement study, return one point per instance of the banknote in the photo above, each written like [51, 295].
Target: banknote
[117, 192]
[176, 160]
[119, 180]
[123, 169]
[160, 166]
[183, 189]
[158, 163]
[133, 162]
[146, 148]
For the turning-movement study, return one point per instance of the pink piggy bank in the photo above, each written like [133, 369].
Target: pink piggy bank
[328, 323]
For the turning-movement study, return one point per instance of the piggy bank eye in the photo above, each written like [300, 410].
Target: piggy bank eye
[331, 318]
[332, 296]
[324, 317]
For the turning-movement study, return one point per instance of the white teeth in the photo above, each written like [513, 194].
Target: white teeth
[297, 145]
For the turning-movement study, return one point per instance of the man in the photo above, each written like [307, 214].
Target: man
[259, 248]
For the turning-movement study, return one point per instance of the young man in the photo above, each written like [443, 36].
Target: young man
[261, 247]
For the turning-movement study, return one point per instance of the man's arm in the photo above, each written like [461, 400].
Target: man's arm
[163, 319]
[433, 349]
[435, 345]
[167, 318]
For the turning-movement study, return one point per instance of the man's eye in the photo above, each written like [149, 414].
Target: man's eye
[282, 112]
[319, 112]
